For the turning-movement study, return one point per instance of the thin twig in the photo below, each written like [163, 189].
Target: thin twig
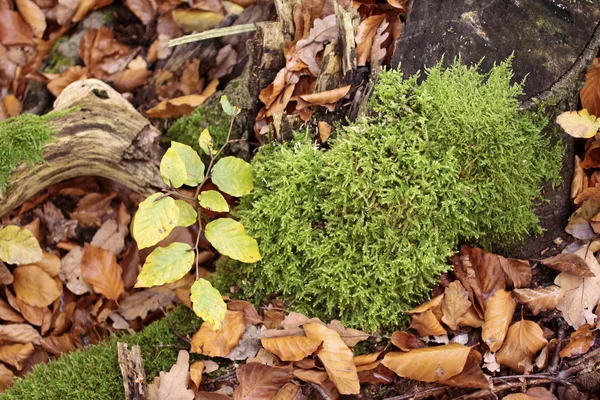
[320, 390]
[421, 394]
[173, 327]
[213, 33]
[174, 346]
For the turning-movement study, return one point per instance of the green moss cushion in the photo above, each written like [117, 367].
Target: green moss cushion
[93, 373]
[362, 231]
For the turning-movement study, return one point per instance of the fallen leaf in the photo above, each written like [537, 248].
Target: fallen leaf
[191, 20]
[569, 263]
[33, 15]
[139, 304]
[34, 286]
[516, 272]
[219, 343]
[50, 264]
[454, 305]
[578, 184]
[579, 223]
[259, 382]
[16, 354]
[579, 124]
[327, 98]
[405, 341]
[176, 107]
[590, 93]
[6, 277]
[471, 376]
[426, 324]
[102, 54]
[498, 315]
[251, 317]
[19, 246]
[350, 336]
[100, 269]
[20, 333]
[365, 36]
[173, 384]
[540, 299]
[291, 348]
[7, 313]
[523, 341]
[263, 357]
[71, 272]
[110, 237]
[336, 357]
[580, 342]
[274, 318]
[581, 294]
[58, 345]
[290, 391]
[6, 377]
[14, 31]
[430, 364]
[72, 74]
[144, 10]
[33, 315]
[311, 375]
[196, 370]
[323, 30]
[248, 345]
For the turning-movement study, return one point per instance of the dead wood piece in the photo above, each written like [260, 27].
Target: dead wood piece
[132, 369]
[103, 136]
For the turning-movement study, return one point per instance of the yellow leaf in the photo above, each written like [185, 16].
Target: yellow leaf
[499, 311]
[579, 124]
[34, 287]
[154, 220]
[219, 343]
[233, 176]
[166, 265]
[230, 239]
[291, 348]
[191, 20]
[187, 213]
[524, 339]
[336, 357]
[205, 141]
[172, 169]
[207, 303]
[19, 246]
[181, 165]
[430, 364]
[212, 200]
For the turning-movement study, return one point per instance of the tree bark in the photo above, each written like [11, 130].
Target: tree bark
[103, 136]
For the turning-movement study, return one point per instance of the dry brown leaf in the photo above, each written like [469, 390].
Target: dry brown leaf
[248, 346]
[580, 342]
[71, 272]
[569, 263]
[6, 377]
[455, 305]
[50, 264]
[72, 74]
[58, 345]
[365, 36]
[176, 107]
[350, 336]
[291, 348]
[290, 391]
[259, 381]
[211, 396]
[578, 184]
[540, 299]
[13, 108]
[311, 375]
[6, 277]
[139, 304]
[471, 376]
[33, 315]
[111, 236]
[143, 9]
[173, 384]
[472, 319]
[130, 79]
[33, 15]
[219, 343]
[264, 357]
[590, 93]
[7, 313]
[100, 269]
[34, 286]
[196, 370]
[336, 357]
[85, 6]
[406, 341]
[251, 317]
[327, 99]
[14, 31]
[323, 30]
[523, 341]
[431, 364]
[191, 20]
[102, 54]
[581, 294]
[517, 272]
[16, 354]
[498, 315]
[426, 324]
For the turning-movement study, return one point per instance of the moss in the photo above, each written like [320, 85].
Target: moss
[362, 231]
[22, 139]
[56, 62]
[93, 373]
[187, 129]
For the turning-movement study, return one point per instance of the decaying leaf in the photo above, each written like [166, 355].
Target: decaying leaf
[139, 304]
[405, 341]
[173, 384]
[336, 357]
[579, 223]
[259, 381]
[498, 315]
[34, 286]
[579, 124]
[6, 377]
[18, 246]
[71, 271]
[426, 323]
[350, 336]
[430, 364]
[100, 269]
[291, 348]
[455, 305]
[365, 36]
[523, 341]
[20, 333]
[196, 370]
[540, 299]
[219, 343]
[311, 375]
[471, 376]
[16, 354]
[580, 342]
[569, 263]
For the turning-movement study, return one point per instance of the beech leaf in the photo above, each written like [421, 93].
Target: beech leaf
[155, 219]
[181, 165]
[426, 324]
[291, 348]
[406, 341]
[498, 315]
[579, 124]
[100, 269]
[580, 342]
[455, 305]
[365, 36]
[19, 246]
[207, 302]
[233, 176]
[228, 108]
[259, 381]
[173, 384]
[187, 214]
[34, 286]
[569, 263]
[166, 265]
[523, 341]
[219, 343]
[212, 200]
[540, 299]
[206, 143]
[230, 239]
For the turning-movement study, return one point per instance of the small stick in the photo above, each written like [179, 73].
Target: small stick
[213, 33]
[173, 327]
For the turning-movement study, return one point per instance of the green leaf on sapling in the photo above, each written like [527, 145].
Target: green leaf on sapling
[233, 176]
[212, 200]
[166, 265]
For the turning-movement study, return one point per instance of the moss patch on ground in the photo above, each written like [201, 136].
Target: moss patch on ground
[361, 232]
[187, 129]
[93, 373]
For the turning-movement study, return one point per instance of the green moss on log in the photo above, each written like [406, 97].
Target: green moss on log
[187, 129]
[362, 231]
[93, 373]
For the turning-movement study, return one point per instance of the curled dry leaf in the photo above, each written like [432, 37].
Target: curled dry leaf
[259, 381]
[291, 348]
[196, 370]
[579, 223]
[590, 93]
[219, 343]
[33, 15]
[350, 336]
[471, 376]
[365, 36]
[19, 333]
[523, 341]
[311, 375]
[71, 272]
[6, 377]
[580, 342]
[327, 99]
[16, 354]
[34, 286]
[49, 263]
[569, 263]
[498, 315]
[406, 341]
[579, 182]
[336, 357]
[176, 107]
[426, 324]
[251, 317]
[7, 313]
[173, 384]
[540, 299]
[430, 305]
[455, 305]
[100, 269]
[431, 364]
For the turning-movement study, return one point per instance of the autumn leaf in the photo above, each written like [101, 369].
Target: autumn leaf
[581, 294]
[251, 316]
[291, 348]
[324, 29]
[430, 364]
[230, 238]
[454, 305]
[426, 323]
[207, 303]
[311, 375]
[19, 246]
[139, 304]
[7, 313]
[6, 377]
[155, 219]
[290, 391]
[173, 384]
[327, 99]
[176, 107]
[100, 269]
[569, 263]
[166, 265]
[196, 370]
[471, 376]
[429, 305]
[350, 336]
[405, 341]
[259, 381]
[580, 342]
[590, 93]
[16, 354]
[523, 341]
[498, 315]
[579, 124]
[219, 343]
[33, 15]
[579, 223]
[540, 299]
[19, 333]
[34, 286]
[365, 36]
[336, 357]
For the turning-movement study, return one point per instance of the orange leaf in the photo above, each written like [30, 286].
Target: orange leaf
[327, 98]
[590, 94]
[365, 35]
[405, 341]
[50, 264]
[310, 375]
[581, 341]
[259, 381]
[336, 357]
[540, 299]
[569, 263]
[499, 311]
[34, 286]
[524, 339]
[7, 313]
[455, 305]
[431, 304]
[20, 333]
[68, 76]
[291, 348]
[250, 315]
[471, 376]
[427, 324]
[6, 377]
[219, 343]
[99, 268]
[16, 354]
[130, 79]
[33, 15]
[471, 319]
[431, 364]
[289, 391]
[196, 370]
[176, 107]
[14, 31]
